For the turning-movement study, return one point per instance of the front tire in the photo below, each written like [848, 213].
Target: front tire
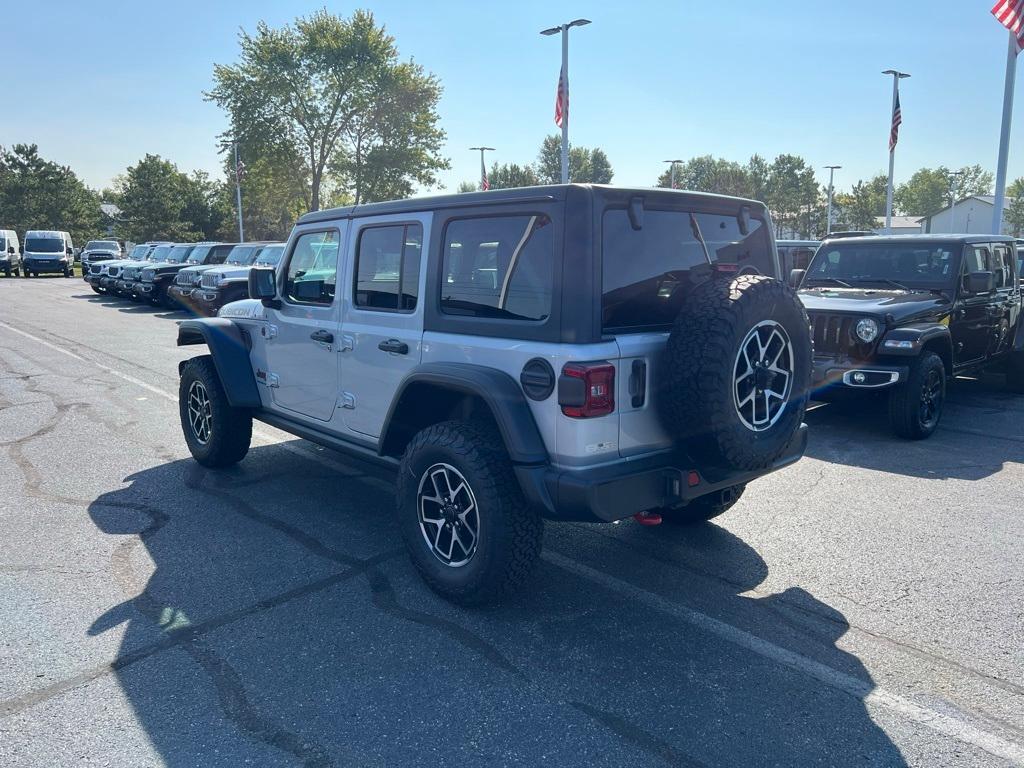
[468, 529]
[703, 508]
[217, 434]
[915, 406]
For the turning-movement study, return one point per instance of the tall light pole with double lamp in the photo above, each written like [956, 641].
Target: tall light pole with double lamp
[484, 186]
[672, 176]
[564, 87]
[953, 176]
[828, 216]
[895, 120]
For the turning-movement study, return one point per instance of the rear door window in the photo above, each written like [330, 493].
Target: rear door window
[388, 267]
[647, 272]
[498, 266]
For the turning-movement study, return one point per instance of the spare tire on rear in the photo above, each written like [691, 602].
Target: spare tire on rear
[738, 365]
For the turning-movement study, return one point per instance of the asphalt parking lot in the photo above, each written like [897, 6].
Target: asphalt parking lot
[863, 607]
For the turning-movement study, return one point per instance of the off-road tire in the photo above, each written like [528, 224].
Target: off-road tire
[703, 508]
[231, 428]
[1015, 372]
[698, 403]
[68, 272]
[510, 532]
[905, 399]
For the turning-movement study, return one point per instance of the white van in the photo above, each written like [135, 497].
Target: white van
[10, 252]
[48, 251]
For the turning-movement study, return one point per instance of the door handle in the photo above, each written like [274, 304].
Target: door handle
[394, 345]
[322, 336]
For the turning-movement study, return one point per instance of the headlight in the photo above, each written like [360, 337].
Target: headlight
[867, 330]
[148, 275]
[217, 280]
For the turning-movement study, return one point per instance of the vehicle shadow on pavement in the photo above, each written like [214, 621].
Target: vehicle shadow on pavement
[982, 429]
[270, 615]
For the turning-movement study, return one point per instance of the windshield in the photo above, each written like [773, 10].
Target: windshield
[895, 265]
[44, 245]
[179, 254]
[138, 252]
[198, 254]
[159, 253]
[101, 245]
[270, 255]
[648, 271]
[243, 255]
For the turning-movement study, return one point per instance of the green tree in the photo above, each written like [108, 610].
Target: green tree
[159, 202]
[332, 91]
[927, 191]
[512, 175]
[275, 192]
[791, 192]
[467, 186]
[1014, 216]
[859, 208]
[40, 194]
[709, 174]
[586, 166]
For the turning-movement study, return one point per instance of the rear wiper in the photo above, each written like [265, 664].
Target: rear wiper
[830, 279]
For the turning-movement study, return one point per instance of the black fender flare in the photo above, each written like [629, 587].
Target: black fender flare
[499, 391]
[229, 348]
[918, 334]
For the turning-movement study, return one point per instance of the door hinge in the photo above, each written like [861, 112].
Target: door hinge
[348, 343]
[273, 380]
[269, 331]
[348, 400]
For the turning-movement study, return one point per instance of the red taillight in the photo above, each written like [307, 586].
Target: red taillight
[596, 396]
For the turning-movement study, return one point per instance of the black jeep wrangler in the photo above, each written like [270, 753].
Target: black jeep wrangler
[907, 312]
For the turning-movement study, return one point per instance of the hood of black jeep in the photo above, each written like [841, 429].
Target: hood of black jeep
[902, 305]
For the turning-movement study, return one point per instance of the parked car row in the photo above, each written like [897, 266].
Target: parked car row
[175, 274]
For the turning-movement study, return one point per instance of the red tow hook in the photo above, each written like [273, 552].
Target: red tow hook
[647, 518]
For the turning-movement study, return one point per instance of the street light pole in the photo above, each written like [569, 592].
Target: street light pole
[953, 175]
[238, 195]
[483, 167]
[564, 78]
[828, 220]
[672, 165]
[896, 77]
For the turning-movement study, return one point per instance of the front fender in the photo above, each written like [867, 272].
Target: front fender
[917, 335]
[229, 347]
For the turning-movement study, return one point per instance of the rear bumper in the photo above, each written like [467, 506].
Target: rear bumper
[605, 494]
[830, 372]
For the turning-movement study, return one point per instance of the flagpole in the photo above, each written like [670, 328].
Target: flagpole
[1004, 136]
[896, 77]
[564, 79]
[484, 186]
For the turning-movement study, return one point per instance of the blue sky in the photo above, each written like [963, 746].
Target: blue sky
[98, 84]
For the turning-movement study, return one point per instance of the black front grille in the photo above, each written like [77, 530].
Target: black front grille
[832, 334]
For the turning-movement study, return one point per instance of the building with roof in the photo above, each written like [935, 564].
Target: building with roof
[901, 225]
[970, 215]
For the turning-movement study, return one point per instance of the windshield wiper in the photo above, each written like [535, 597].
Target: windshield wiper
[901, 286]
[831, 280]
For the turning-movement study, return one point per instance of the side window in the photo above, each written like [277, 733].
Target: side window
[500, 266]
[387, 273]
[1004, 266]
[313, 268]
[975, 260]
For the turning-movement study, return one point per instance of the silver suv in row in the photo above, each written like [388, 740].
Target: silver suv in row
[567, 352]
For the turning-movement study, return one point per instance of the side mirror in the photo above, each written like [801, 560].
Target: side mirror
[796, 276]
[10, 249]
[69, 251]
[263, 285]
[981, 282]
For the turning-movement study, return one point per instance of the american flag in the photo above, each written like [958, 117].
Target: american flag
[239, 171]
[562, 99]
[897, 118]
[485, 184]
[1010, 14]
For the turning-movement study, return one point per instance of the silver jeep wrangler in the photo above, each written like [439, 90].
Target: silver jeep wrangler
[564, 352]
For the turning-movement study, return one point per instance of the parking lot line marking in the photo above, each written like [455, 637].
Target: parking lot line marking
[944, 724]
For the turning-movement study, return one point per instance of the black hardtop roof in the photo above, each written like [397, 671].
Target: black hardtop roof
[923, 239]
[548, 192]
